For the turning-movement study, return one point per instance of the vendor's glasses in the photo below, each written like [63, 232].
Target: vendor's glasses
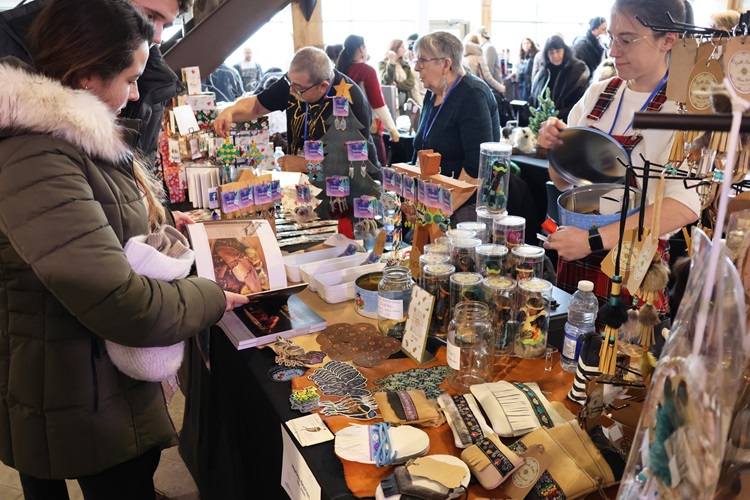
[421, 62]
[296, 88]
[624, 42]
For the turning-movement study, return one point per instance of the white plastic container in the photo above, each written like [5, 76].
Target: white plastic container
[309, 271]
[338, 286]
[293, 261]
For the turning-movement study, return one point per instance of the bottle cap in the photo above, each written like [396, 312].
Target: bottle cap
[585, 286]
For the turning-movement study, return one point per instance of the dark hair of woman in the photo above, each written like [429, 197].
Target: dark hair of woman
[70, 39]
[554, 43]
[654, 12]
[346, 58]
[531, 53]
[334, 51]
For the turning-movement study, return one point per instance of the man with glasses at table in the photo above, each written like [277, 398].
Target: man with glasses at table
[304, 93]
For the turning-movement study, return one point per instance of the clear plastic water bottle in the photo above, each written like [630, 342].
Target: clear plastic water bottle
[582, 310]
[278, 153]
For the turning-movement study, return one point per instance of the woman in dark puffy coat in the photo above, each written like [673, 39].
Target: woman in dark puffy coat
[71, 195]
[565, 76]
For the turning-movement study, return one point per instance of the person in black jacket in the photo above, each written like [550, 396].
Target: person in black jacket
[157, 85]
[587, 47]
[565, 76]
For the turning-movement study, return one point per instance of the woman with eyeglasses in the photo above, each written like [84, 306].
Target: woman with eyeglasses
[459, 113]
[641, 60]
[353, 63]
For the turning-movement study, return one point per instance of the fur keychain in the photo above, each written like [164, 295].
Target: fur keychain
[656, 280]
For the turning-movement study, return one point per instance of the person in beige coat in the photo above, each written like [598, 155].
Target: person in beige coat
[474, 60]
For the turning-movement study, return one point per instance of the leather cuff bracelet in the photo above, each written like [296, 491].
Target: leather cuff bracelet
[595, 240]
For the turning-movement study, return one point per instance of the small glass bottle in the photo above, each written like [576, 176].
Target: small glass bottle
[500, 296]
[494, 176]
[436, 281]
[534, 296]
[394, 295]
[480, 228]
[491, 259]
[470, 346]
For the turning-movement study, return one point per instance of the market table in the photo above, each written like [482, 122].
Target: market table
[232, 441]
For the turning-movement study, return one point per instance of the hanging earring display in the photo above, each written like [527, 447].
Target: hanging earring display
[357, 152]
[337, 189]
[340, 111]
[314, 154]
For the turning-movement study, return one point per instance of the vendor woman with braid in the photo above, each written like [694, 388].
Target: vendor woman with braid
[641, 58]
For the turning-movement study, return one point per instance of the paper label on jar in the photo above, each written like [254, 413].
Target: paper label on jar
[453, 356]
[390, 308]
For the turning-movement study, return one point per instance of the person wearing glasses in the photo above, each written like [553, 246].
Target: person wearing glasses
[459, 113]
[304, 92]
[641, 60]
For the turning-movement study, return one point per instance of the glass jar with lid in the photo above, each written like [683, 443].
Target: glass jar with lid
[527, 262]
[480, 228]
[500, 296]
[534, 298]
[491, 259]
[394, 295]
[509, 231]
[435, 280]
[494, 176]
[470, 346]
[464, 254]
[465, 287]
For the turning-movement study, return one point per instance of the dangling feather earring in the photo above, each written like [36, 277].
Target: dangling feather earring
[445, 87]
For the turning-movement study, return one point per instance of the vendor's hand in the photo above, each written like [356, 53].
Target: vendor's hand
[392, 57]
[181, 220]
[549, 133]
[292, 163]
[223, 122]
[394, 135]
[234, 300]
[570, 242]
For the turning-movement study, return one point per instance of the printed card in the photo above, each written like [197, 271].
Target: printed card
[417, 325]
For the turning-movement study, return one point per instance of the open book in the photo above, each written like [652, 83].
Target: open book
[243, 256]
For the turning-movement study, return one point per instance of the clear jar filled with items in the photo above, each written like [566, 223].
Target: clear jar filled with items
[436, 281]
[460, 234]
[534, 298]
[465, 287]
[480, 228]
[464, 254]
[437, 248]
[491, 259]
[470, 346]
[500, 296]
[509, 231]
[489, 220]
[433, 258]
[394, 295]
[494, 176]
[527, 262]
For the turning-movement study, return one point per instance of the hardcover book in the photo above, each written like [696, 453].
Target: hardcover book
[243, 256]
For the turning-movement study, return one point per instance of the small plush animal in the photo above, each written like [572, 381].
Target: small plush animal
[524, 140]
[507, 133]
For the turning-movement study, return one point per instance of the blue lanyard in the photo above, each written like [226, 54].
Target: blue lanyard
[307, 106]
[645, 104]
[426, 130]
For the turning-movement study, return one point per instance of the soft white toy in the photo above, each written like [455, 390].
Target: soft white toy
[524, 140]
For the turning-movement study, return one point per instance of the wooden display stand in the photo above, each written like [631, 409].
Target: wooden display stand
[429, 170]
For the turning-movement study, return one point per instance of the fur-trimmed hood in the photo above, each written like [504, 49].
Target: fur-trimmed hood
[32, 103]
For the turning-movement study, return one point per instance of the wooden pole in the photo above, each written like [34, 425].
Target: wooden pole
[306, 33]
[487, 15]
